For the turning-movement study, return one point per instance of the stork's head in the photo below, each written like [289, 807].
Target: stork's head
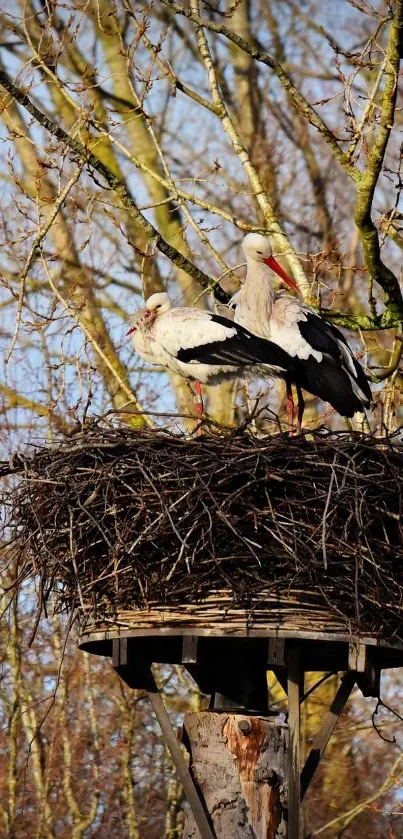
[156, 304]
[159, 302]
[257, 248]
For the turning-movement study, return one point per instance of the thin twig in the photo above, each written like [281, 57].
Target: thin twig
[75, 314]
[45, 227]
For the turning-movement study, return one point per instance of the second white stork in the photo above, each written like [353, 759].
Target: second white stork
[202, 346]
[324, 364]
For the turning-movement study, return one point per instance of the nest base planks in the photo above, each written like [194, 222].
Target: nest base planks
[163, 636]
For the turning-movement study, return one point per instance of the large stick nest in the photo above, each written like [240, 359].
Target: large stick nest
[118, 520]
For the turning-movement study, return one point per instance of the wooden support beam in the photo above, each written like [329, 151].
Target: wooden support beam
[281, 676]
[119, 652]
[199, 814]
[276, 653]
[137, 674]
[361, 659]
[294, 698]
[276, 660]
[323, 736]
[369, 682]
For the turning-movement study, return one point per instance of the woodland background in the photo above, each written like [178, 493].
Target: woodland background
[139, 143]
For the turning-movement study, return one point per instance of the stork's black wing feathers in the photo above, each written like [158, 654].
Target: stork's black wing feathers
[240, 348]
[321, 336]
[330, 379]
[326, 338]
[331, 383]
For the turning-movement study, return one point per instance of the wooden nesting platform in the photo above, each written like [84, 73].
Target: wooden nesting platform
[231, 668]
[234, 663]
[170, 644]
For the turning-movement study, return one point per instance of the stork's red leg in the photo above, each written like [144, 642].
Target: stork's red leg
[301, 407]
[290, 409]
[198, 400]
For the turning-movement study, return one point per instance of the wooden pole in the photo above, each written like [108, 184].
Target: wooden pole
[239, 765]
[136, 672]
[323, 736]
[201, 818]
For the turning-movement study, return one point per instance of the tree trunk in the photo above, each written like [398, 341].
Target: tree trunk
[239, 765]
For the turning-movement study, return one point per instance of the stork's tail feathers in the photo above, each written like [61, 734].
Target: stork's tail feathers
[338, 378]
[337, 385]
[360, 385]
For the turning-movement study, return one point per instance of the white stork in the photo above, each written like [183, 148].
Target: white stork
[202, 346]
[323, 362]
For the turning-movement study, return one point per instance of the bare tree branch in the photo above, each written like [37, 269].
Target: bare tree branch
[299, 101]
[126, 199]
[35, 245]
[369, 235]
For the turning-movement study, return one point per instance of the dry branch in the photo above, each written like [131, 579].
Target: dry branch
[299, 101]
[81, 153]
[366, 181]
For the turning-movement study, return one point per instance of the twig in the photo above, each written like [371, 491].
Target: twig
[75, 314]
[346, 818]
[394, 359]
[332, 477]
[271, 221]
[299, 101]
[127, 201]
[58, 202]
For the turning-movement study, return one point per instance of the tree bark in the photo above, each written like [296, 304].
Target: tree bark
[239, 765]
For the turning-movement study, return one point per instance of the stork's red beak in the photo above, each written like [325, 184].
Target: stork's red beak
[132, 329]
[274, 265]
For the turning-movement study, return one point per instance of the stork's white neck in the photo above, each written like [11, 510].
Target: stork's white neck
[254, 302]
